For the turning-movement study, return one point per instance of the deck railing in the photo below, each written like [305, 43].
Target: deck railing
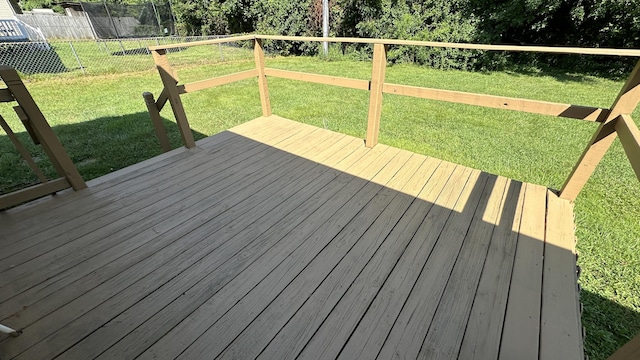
[40, 131]
[614, 121]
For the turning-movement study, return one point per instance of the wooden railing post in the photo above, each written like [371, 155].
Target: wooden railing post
[50, 143]
[258, 54]
[375, 94]
[156, 120]
[170, 82]
[627, 100]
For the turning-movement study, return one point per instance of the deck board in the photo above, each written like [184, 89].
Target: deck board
[280, 240]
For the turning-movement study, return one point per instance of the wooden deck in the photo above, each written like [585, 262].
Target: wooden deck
[279, 240]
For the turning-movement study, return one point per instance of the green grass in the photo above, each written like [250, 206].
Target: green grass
[102, 121]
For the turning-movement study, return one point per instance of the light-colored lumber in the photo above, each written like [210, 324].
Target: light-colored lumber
[319, 79]
[484, 329]
[517, 48]
[497, 102]
[217, 81]
[253, 194]
[560, 327]
[521, 329]
[27, 124]
[258, 55]
[264, 215]
[156, 121]
[630, 139]
[413, 321]
[375, 96]
[203, 42]
[45, 134]
[385, 300]
[628, 351]
[625, 103]
[162, 99]
[170, 81]
[22, 150]
[449, 322]
[33, 192]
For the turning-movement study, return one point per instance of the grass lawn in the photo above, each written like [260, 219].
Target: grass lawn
[102, 122]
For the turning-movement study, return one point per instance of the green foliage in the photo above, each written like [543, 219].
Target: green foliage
[197, 17]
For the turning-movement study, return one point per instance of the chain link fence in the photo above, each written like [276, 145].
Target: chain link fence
[91, 57]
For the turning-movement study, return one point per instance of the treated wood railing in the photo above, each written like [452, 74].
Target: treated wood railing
[613, 121]
[40, 131]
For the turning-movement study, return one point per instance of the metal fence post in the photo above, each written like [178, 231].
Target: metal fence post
[75, 54]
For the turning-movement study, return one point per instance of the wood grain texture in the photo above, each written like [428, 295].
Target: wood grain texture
[277, 239]
[521, 329]
[319, 79]
[630, 139]
[626, 102]
[560, 327]
[217, 81]
[378, 70]
[170, 81]
[258, 55]
[33, 192]
[498, 102]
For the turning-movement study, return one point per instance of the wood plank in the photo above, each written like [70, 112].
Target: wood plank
[55, 342]
[32, 192]
[298, 331]
[630, 350]
[241, 248]
[156, 121]
[560, 327]
[625, 104]
[121, 204]
[22, 150]
[162, 99]
[322, 224]
[449, 322]
[408, 332]
[319, 79]
[630, 139]
[170, 81]
[217, 81]
[516, 48]
[482, 337]
[379, 301]
[521, 329]
[203, 42]
[316, 291]
[137, 181]
[498, 102]
[117, 230]
[375, 96]
[50, 143]
[329, 250]
[258, 55]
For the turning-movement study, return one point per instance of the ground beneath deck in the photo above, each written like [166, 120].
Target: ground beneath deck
[280, 240]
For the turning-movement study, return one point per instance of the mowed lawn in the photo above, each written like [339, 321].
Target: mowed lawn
[102, 122]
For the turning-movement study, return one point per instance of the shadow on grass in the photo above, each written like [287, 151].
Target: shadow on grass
[608, 325]
[97, 147]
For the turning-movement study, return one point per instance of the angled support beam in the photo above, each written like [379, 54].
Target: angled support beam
[170, 82]
[43, 132]
[375, 95]
[156, 120]
[625, 103]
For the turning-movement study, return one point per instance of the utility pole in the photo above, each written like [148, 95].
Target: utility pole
[325, 25]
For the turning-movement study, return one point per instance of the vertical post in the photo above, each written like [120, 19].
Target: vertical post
[50, 143]
[156, 120]
[258, 54]
[325, 25]
[170, 82]
[75, 54]
[625, 103]
[375, 96]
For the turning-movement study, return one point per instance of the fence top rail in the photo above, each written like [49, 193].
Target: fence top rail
[521, 48]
